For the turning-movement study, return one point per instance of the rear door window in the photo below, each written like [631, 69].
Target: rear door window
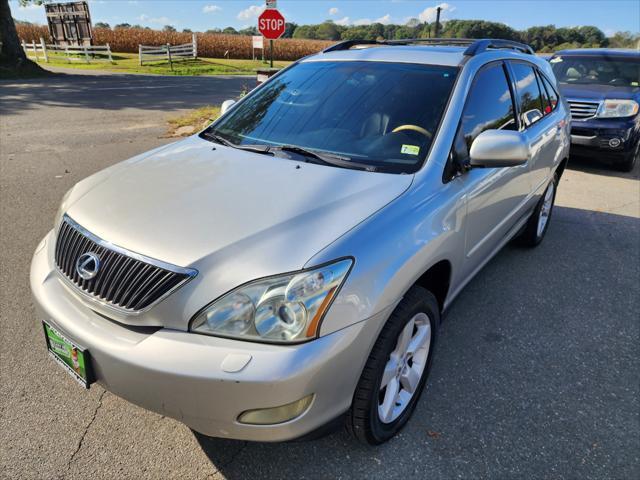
[551, 92]
[528, 95]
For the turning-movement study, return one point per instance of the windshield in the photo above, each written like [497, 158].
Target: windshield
[382, 115]
[587, 70]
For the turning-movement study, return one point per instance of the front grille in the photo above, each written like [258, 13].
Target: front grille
[581, 110]
[124, 280]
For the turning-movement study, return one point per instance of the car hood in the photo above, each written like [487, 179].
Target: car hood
[196, 203]
[599, 92]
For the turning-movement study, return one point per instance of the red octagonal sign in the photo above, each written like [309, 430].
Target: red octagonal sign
[271, 24]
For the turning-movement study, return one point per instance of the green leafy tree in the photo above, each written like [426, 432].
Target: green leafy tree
[405, 31]
[390, 31]
[230, 31]
[478, 29]
[249, 31]
[305, 31]
[289, 28]
[122, 26]
[328, 31]
[625, 40]
[101, 25]
[169, 28]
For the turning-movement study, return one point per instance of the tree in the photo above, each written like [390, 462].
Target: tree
[327, 31]
[187, 30]
[169, 28]
[121, 26]
[249, 31]
[289, 28]
[230, 31]
[12, 56]
[479, 29]
[625, 40]
[305, 31]
[101, 25]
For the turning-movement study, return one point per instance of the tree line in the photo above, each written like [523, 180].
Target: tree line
[545, 38]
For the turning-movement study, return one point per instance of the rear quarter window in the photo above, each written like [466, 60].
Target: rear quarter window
[528, 95]
[550, 93]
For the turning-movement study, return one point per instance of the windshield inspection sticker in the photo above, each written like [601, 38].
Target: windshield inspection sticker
[410, 149]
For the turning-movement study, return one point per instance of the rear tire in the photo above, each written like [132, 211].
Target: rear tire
[378, 412]
[537, 225]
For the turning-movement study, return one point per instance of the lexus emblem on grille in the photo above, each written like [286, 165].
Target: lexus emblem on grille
[88, 265]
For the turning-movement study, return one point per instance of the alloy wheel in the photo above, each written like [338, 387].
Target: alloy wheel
[545, 211]
[405, 367]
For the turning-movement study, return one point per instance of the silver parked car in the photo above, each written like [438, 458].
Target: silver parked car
[287, 268]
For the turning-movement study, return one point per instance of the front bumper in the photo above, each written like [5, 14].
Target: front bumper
[184, 375]
[606, 139]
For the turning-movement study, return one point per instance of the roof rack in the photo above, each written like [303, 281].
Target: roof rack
[433, 41]
[347, 44]
[474, 46]
[496, 44]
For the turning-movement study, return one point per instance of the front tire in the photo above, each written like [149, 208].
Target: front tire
[537, 225]
[396, 370]
[630, 161]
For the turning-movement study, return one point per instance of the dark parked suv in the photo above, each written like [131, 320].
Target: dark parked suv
[602, 87]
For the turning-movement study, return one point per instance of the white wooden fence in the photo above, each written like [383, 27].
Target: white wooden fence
[168, 52]
[85, 53]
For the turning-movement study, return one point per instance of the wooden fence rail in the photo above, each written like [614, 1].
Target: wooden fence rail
[168, 52]
[71, 53]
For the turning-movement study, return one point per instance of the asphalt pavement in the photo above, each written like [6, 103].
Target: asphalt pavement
[536, 373]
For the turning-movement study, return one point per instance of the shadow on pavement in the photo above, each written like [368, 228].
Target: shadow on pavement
[114, 92]
[593, 165]
[535, 375]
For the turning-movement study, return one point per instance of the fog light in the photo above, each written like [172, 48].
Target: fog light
[281, 414]
[615, 142]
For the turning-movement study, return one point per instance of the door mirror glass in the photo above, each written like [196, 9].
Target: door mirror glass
[499, 148]
[226, 105]
[531, 116]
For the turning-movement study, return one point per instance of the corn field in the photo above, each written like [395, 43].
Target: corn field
[211, 45]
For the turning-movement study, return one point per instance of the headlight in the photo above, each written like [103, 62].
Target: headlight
[286, 308]
[617, 108]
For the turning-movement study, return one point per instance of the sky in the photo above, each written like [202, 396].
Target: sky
[200, 15]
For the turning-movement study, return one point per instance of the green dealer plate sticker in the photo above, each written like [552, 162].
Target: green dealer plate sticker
[74, 359]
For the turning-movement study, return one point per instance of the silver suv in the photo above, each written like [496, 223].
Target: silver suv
[287, 268]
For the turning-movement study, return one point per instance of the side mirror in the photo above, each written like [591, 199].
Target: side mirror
[499, 148]
[531, 116]
[226, 105]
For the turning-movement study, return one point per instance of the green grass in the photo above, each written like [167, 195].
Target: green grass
[128, 63]
[198, 119]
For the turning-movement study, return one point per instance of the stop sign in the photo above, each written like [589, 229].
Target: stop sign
[271, 24]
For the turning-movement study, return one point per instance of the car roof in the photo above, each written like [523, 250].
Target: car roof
[600, 52]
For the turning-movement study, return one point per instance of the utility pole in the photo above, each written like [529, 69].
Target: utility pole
[437, 34]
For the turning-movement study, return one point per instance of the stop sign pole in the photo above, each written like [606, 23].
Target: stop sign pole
[271, 25]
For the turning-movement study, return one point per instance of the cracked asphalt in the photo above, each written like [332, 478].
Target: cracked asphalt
[536, 373]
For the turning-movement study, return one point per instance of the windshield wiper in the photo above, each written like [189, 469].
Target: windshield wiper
[218, 139]
[227, 143]
[324, 158]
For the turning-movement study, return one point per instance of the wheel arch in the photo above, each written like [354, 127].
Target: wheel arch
[437, 279]
[561, 166]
